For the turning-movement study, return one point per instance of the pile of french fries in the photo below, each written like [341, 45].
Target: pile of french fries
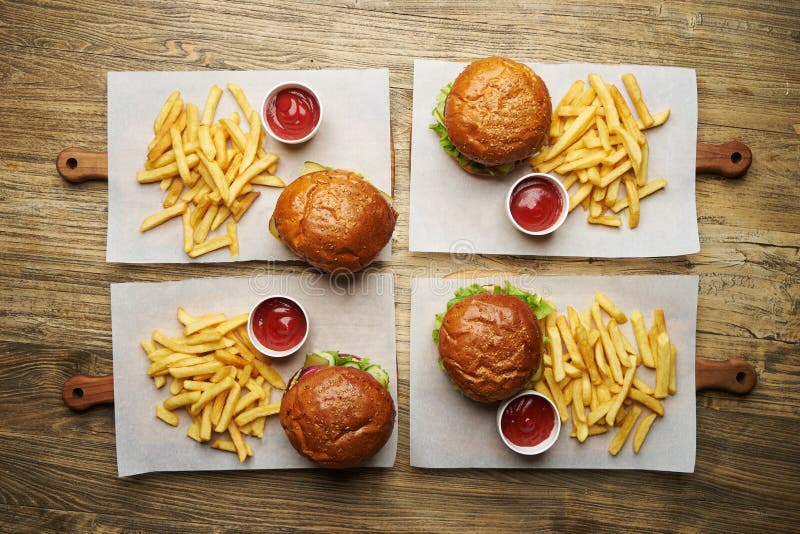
[217, 375]
[591, 365]
[192, 152]
[598, 145]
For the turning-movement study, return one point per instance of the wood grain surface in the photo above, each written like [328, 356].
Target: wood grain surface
[58, 468]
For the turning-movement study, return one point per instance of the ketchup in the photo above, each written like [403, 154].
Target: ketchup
[528, 421]
[292, 113]
[279, 324]
[536, 204]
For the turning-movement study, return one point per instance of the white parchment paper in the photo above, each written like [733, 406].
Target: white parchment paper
[449, 430]
[355, 317]
[453, 210]
[354, 134]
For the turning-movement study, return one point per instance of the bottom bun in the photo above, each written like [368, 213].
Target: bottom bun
[337, 416]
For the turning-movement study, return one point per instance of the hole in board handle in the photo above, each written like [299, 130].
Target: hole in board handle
[740, 376]
[736, 157]
[77, 393]
[72, 163]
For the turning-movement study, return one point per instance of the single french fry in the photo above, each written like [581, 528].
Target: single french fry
[167, 416]
[640, 333]
[210, 245]
[619, 347]
[600, 87]
[242, 204]
[238, 441]
[556, 353]
[161, 141]
[641, 432]
[233, 236]
[207, 146]
[647, 190]
[578, 409]
[165, 109]
[180, 155]
[642, 170]
[248, 173]
[167, 171]
[269, 374]
[642, 386]
[218, 138]
[660, 118]
[541, 387]
[600, 360]
[269, 181]
[194, 370]
[599, 413]
[573, 133]
[173, 193]
[578, 196]
[624, 431]
[251, 143]
[635, 93]
[608, 347]
[650, 402]
[227, 411]
[188, 231]
[211, 106]
[625, 115]
[558, 397]
[182, 399]
[621, 168]
[632, 195]
[662, 367]
[673, 370]
[621, 396]
[241, 99]
[162, 216]
[260, 411]
[569, 342]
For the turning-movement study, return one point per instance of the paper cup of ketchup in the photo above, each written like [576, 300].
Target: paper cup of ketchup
[291, 113]
[278, 326]
[528, 423]
[537, 204]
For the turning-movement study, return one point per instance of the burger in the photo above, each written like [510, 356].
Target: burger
[334, 219]
[490, 343]
[495, 115]
[337, 411]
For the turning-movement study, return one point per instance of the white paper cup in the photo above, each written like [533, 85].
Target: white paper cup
[273, 93]
[544, 444]
[564, 203]
[266, 350]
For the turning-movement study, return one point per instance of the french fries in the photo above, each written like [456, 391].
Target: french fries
[209, 170]
[597, 143]
[590, 371]
[222, 391]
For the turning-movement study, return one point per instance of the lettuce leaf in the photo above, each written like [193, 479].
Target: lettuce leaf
[451, 150]
[537, 304]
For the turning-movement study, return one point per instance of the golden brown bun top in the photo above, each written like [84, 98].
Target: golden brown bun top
[337, 416]
[490, 345]
[497, 111]
[334, 219]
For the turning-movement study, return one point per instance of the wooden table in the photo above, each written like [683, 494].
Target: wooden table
[57, 468]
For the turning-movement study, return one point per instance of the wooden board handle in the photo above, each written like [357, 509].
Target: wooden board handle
[730, 160]
[733, 376]
[78, 165]
[81, 391]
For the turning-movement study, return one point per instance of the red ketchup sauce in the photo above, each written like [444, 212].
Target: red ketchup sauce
[279, 324]
[292, 113]
[536, 204]
[528, 421]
